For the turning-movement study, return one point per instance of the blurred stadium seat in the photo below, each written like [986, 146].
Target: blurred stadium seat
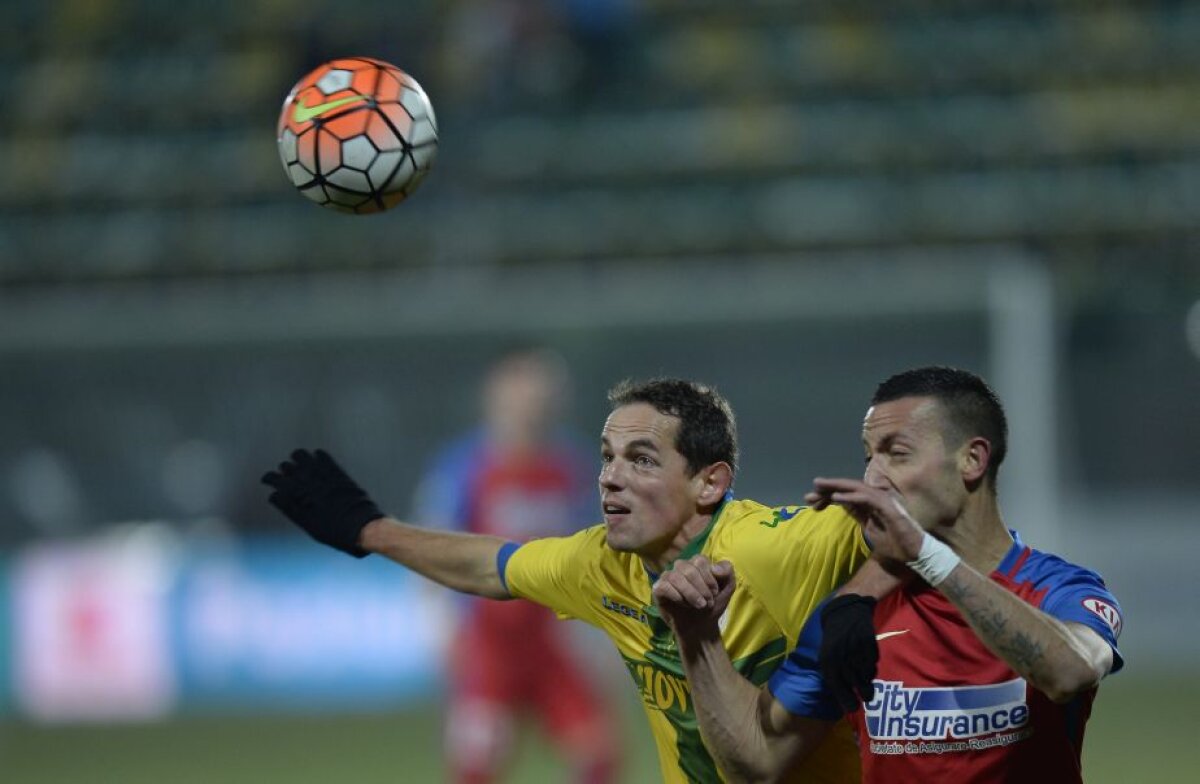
[716, 118]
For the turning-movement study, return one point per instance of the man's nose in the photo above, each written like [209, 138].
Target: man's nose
[609, 475]
[875, 477]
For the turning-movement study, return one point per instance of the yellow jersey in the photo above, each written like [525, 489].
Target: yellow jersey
[785, 559]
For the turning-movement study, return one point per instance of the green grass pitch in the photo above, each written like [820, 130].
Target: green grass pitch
[1141, 730]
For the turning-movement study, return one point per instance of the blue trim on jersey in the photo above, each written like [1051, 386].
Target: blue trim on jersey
[968, 698]
[797, 683]
[502, 555]
[1067, 586]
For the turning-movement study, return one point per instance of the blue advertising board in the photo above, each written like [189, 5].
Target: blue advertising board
[286, 625]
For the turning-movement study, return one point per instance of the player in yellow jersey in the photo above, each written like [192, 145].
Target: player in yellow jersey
[669, 451]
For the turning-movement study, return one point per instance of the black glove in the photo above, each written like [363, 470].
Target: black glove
[316, 494]
[849, 653]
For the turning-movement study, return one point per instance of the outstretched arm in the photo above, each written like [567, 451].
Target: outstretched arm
[313, 491]
[1059, 659]
[462, 562]
[752, 737]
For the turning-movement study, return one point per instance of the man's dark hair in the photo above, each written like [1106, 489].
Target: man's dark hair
[972, 408]
[707, 429]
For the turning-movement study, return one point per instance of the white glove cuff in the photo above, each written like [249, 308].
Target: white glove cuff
[935, 561]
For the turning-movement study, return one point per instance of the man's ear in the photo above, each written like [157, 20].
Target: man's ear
[715, 480]
[974, 459]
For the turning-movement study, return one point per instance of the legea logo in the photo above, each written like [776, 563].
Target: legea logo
[625, 610]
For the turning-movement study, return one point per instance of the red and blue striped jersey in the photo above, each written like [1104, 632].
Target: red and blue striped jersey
[945, 707]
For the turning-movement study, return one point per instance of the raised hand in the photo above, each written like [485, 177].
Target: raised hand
[693, 594]
[313, 491]
[886, 524]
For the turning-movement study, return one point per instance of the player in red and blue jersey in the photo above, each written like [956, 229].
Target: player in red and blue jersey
[989, 658]
[945, 708]
[517, 478]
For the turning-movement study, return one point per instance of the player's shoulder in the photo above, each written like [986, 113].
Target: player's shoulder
[593, 539]
[578, 554]
[592, 564]
[1067, 590]
[741, 515]
[586, 542]
[749, 527]
[740, 511]
[1056, 579]
[1040, 568]
[586, 552]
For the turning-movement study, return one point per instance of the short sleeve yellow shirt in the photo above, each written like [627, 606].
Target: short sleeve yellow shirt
[786, 560]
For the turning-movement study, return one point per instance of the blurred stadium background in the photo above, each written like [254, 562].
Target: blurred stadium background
[789, 199]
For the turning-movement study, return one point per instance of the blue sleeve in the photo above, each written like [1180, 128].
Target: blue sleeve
[1078, 595]
[443, 497]
[797, 684]
[506, 551]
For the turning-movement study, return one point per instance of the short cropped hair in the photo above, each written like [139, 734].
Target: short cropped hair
[707, 429]
[972, 408]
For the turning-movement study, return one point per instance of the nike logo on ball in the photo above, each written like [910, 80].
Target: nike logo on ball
[304, 113]
[885, 635]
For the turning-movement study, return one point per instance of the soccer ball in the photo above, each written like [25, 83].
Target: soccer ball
[357, 135]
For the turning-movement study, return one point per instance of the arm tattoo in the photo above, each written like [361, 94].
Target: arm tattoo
[1020, 650]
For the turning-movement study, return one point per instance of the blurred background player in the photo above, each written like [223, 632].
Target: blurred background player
[518, 476]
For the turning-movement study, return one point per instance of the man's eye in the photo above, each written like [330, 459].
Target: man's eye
[645, 461]
[605, 458]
